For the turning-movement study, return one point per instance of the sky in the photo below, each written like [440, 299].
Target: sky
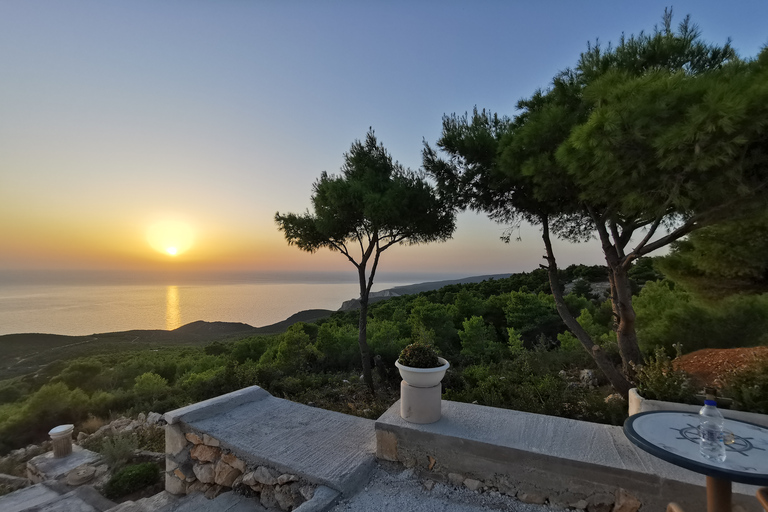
[130, 127]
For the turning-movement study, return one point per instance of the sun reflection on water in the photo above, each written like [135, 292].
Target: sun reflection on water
[172, 309]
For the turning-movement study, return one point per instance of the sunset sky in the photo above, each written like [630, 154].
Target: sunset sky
[131, 129]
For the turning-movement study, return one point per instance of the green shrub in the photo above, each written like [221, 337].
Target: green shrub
[657, 379]
[749, 388]
[118, 449]
[131, 479]
[419, 355]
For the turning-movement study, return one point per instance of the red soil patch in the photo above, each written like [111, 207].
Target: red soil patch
[713, 366]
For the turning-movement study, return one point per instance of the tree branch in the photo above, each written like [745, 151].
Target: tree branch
[617, 239]
[342, 248]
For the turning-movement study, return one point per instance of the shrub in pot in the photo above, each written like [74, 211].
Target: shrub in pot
[420, 366]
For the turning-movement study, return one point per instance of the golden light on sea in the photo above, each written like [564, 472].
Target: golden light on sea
[170, 237]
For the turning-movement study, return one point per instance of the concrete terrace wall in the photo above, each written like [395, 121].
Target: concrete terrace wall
[538, 458]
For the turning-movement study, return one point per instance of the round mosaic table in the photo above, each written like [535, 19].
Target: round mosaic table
[674, 437]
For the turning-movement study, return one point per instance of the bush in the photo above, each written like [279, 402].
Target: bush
[657, 379]
[117, 450]
[419, 355]
[131, 479]
[749, 388]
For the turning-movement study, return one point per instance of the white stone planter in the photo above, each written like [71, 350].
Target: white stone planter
[423, 377]
[639, 404]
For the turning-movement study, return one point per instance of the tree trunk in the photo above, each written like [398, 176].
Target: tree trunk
[621, 300]
[362, 338]
[615, 377]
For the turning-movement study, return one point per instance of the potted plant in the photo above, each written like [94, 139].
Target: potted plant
[420, 366]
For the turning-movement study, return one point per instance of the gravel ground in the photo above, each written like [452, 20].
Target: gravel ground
[392, 489]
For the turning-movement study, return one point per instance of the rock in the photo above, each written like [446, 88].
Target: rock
[193, 438]
[567, 499]
[13, 482]
[587, 378]
[264, 475]
[580, 505]
[600, 502]
[234, 462]
[81, 436]
[80, 475]
[175, 486]
[432, 461]
[286, 478]
[210, 441]
[472, 484]
[154, 418]
[224, 474]
[18, 454]
[170, 464]
[141, 418]
[626, 502]
[455, 479]
[214, 491]
[238, 482]
[205, 473]
[614, 397]
[429, 484]
[284, 497]
[506, 487]
[249, 479]
[120, 423]
[307, 492]
[197, 486]
[267, 497]
[175, 440]
[532, 497]
[185, 471]
[205, 453]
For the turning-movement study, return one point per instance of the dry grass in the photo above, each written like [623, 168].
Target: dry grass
[92, 424]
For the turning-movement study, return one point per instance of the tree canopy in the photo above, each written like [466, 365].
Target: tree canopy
[372, 205]
[638, 145]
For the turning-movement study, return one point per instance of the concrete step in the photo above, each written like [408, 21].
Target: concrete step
[52, 497]
[227, 502]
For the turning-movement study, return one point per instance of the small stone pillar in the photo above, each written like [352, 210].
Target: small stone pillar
[420, 405]
[61, 438]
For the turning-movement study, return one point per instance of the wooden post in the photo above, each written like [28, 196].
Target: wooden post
[718, 495]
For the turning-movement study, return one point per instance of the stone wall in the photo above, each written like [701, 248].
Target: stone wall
[196, 462]
[525, 482]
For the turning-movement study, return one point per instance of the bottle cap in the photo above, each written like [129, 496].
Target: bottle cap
[710, 402]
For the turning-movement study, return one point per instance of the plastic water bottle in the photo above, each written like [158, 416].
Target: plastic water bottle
[711, 443]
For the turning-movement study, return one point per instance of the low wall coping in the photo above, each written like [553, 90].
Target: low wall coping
[215, 406]
[592, 446]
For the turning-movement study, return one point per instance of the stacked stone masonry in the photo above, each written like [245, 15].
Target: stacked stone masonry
[197, 463]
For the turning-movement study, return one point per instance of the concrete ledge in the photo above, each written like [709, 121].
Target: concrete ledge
[323, 500]
[216, 405]
[549, 453]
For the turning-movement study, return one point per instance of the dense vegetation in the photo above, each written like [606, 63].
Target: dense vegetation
[507, 345]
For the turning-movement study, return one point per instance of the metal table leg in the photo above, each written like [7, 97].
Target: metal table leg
[718, 495]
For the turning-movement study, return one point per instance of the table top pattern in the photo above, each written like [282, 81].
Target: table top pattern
[673, 437]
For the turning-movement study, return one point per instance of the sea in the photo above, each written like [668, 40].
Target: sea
[90, 308]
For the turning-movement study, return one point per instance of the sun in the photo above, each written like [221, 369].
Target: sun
[170, 237]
